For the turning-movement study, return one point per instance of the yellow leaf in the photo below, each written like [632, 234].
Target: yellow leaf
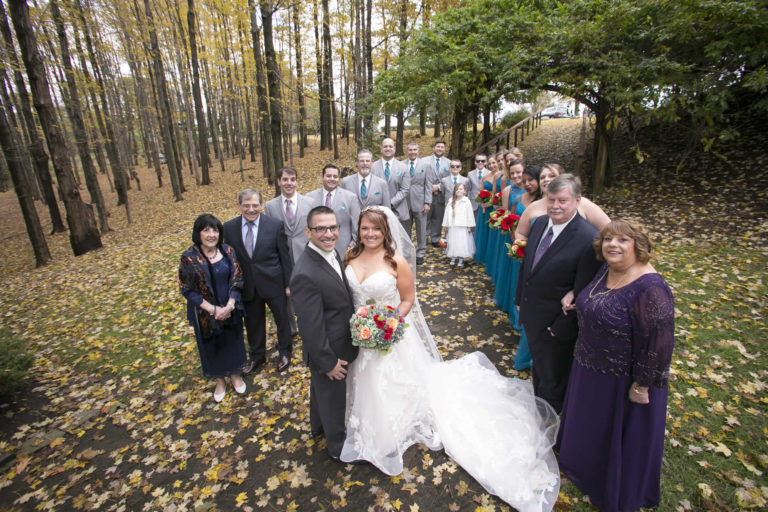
[397, 504]
[241, 498]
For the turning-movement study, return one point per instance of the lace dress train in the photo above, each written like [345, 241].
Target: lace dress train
[491, 425]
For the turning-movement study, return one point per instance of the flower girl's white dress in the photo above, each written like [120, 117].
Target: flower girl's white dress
[491, 425]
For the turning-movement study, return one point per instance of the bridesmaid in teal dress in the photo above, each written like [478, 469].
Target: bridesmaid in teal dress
[501, 180]
[522, 359]
[514, 191]
[517, 199]
[481, 225]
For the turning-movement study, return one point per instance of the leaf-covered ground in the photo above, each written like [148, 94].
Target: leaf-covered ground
[116, 416]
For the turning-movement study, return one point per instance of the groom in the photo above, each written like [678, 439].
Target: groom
[323, 307]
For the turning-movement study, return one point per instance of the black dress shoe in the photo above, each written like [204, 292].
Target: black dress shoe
[435, 244]
[283, 363]
[253, 365]
[419, 261]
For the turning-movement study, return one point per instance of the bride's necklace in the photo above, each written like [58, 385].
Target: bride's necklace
[624, 280]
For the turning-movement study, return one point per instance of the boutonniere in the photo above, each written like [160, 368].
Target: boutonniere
[341, 208]
[376, 193]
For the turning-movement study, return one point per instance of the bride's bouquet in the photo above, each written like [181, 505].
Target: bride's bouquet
[376, 327]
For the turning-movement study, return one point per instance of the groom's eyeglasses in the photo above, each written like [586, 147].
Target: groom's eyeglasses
[322, 229]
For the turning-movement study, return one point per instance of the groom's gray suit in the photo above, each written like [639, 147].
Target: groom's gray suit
[323, 307]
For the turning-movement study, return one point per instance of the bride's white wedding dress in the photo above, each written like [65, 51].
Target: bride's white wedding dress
[491, 425]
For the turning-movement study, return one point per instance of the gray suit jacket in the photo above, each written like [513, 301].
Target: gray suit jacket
[399, 183]
[434, 176]
[446, 187]
[297, 240]
[347, 209]
[420, 192]
[378, 191]
[474, 186]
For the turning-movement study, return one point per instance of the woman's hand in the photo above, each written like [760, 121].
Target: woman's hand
[223, 312]
[638, 394]
[567, 302]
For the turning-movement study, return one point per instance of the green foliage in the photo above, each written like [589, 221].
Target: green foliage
[510, 119]
[15, 361]
[676, 60]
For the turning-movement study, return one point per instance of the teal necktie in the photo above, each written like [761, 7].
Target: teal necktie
[411, 168]
[437, 164]
[363, 190]
[386, 172]
[455, 180]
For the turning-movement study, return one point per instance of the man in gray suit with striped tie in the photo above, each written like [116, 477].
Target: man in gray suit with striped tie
[343, 203]
[291, 208]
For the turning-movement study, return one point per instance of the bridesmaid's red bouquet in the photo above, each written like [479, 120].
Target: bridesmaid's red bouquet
[516, 250]
[483, 197]
[497, 199]
[509, 222]
[376, 327]
[494, 219]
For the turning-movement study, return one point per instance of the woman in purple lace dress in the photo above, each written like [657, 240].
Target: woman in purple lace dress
[611, 437]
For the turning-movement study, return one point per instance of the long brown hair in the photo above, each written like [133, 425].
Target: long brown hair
[379, 219]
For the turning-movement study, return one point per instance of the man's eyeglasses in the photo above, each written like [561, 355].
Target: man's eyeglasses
[479, 161]
[455, 167]
[322, 229]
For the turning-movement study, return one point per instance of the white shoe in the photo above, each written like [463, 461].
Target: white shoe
[453, 262]
[219, 397]
[239, 389]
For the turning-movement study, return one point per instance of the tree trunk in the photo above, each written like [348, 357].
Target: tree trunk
[27, 204]
[273, 79]
[265, 136]
[83, 231]
[486, 124]
[322, 99]
[423, 121]
[36, 145]
[328, 72]
[106, 126]
[202, 131]
[164, 106]
[75, 112]
[299, 81]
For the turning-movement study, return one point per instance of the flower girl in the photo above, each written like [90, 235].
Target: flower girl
[458, 225]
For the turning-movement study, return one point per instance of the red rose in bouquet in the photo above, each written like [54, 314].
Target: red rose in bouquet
[517, 250]
[495, 218]
[497, 199]
[483, 197]
[509, 222]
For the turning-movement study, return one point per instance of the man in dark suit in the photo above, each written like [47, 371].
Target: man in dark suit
[262, 250]
[324, 306]
[559, 258]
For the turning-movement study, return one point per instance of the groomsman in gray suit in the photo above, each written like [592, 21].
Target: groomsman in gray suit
[438, 169]
[398, 180]
[291, 208]
[369, 189]
[343, 203]
[419, 198]
[475, 180]
[449, 182]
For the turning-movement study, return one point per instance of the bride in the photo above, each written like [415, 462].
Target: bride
[491, 425]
